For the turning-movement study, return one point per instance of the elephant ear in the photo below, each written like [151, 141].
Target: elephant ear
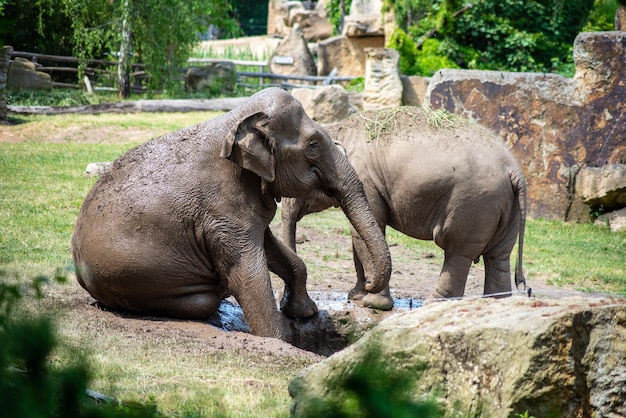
[249, 146]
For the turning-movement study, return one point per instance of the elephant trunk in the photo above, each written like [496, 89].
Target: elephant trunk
[354, 204]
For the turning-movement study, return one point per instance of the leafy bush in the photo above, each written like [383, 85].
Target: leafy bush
[509, 35]
[334, 13]
[29, 386]
[602, 17]
[373, 390]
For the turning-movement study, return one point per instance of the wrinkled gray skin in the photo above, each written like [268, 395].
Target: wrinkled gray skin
[182, 221]
[458, 186]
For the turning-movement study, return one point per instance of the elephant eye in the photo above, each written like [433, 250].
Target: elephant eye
[313, 148]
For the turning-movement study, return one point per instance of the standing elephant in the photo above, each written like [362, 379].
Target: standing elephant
[182, 221]
[441, 179]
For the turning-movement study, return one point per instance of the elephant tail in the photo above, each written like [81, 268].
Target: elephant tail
[519, 187]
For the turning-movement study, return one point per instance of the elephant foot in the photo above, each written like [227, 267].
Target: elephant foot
[357, 293]
[303, 307]
[377, 301]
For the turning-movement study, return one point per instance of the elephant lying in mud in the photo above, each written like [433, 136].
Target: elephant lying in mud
[182, 221]
[456, 184]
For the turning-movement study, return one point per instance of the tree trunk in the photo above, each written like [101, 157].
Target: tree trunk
[5, 57]
[123, 62]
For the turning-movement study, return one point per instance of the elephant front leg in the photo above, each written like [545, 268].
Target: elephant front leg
[453, 276]
[295, 301]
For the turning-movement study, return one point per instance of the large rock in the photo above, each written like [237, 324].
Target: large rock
[23, 74]
[215, 77]
[615, 220]
[365, 19]
[552, 124]
[326, 104]
[314, 27]
[604, 185]
[293, 57]
[346, 55]
[383, 88]
[495, 358]
[414, 90]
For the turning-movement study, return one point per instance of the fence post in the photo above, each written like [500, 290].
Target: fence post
[5, 58]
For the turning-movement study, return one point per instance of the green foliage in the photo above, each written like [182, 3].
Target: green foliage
[163, 31]
[407, 48]
[27, 25]
[356, 85]
[335, 15]
[57, 97]
[510, 35]
[29, 386]
[251, 15]
[430, 58]
[602, 17]
[374, 389]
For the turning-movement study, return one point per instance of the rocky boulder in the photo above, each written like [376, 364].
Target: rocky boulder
[365, 19]
[494, 358]
[615, 220]
[23, 74]
[383, 87]
[314, 27]
[414, 90]
[346, 55]
[326, 104]
[292, 56]
[603, 186]
[216, 77]
[552, 124]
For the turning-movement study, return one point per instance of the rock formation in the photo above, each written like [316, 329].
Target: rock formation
[383, 88]
[23, 74]
[220, 76]
[292, 56]
[283, 15]
[494, 358]
[326, 104]
[553, 125]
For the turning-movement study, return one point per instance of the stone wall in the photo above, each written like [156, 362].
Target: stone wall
[553, 125]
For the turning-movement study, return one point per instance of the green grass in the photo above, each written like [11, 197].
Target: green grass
[42, 188]
[588, 257]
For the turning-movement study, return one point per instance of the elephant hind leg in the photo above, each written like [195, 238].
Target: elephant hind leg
[453, 276]
[198, 306]
[497, 276]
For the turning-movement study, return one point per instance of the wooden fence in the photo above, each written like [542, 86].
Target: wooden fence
[102, 74]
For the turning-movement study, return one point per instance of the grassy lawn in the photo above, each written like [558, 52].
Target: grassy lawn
[42, 187]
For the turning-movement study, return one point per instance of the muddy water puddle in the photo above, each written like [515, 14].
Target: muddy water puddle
[230, 316]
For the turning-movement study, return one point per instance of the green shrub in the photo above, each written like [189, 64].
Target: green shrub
[430, 59]
[372, 389]
[29, 386]
[509, 35]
